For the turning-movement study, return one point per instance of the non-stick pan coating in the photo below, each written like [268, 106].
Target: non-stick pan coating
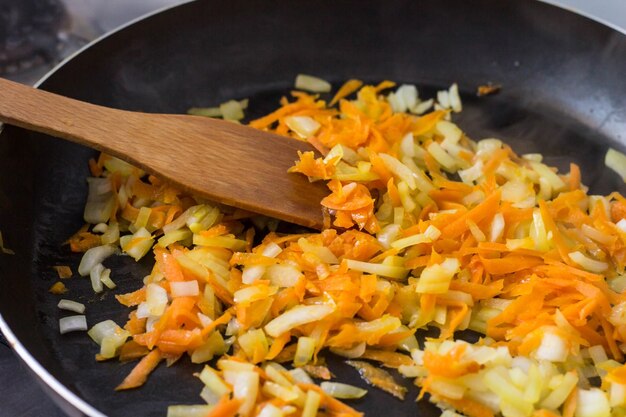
[563, 94]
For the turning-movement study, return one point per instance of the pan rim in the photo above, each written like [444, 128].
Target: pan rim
[572, 9]
[73, 399]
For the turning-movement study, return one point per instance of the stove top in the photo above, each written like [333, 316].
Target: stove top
[35, 35]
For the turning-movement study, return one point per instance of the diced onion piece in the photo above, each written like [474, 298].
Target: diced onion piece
[399, 169]
[472, 173]
[252, 273]
[423, 106]
[94, 276]
[304, 350]
[245, 388]
[587, 263]
[100, 201]
[311, 404]
[270, 410]
[254, 293]
[71, 306]
[455, 98]
[312, 84]
[549, 175]
[184, 288]
[596, 235]
[93, 257]
[189, 410]
[283, 275]
[72, 324]
[553, 348]
[212, 379]
[138, 244]
[445, 160]
[435, 279]
[254, 344]
[342, 391]
[354, 352]
[231, 110]
[497, 227]
[322, 252]
[112, 234]
[277, 373]
[617, 162]
[304, 126]
[617, 394]
[450, 131]
[100, 228]
[286, 394]
[156, 299]
[271, 250]
[297, 316]
[300, 375]
[430, 234]
[396, 272]
[220, 241]
[105, 278]
[621, 225]
[173, 237]
[125, 169]
[205, 111]
[592, 403]
[214, 345]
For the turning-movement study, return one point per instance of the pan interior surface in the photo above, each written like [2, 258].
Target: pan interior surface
[562, 95]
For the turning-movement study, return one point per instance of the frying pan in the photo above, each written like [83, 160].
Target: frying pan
[563, 94]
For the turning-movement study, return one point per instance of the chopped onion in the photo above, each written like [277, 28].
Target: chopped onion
[617, 162]
[100, 201]
[93, 257]
[252, 273]
[270, 410]
[184, 288]
[300, 375]
[283, 275]
[455, 98]
[354, 352]
[588, 263]
[311, 404]
[72, 324]
[156, 299]
[71, 306]
[231, 110]
[105, 278]
[189, 410]
[592, 403]
[342, 391]
[497, 227]
[271, 250]
[304, 126]
[95, 274]
[621, 225]
[304, 350]
[297, 316]
[312, 84]
[396, 272]
[245, 388]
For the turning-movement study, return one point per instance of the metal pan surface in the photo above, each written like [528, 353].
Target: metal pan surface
[564, 95]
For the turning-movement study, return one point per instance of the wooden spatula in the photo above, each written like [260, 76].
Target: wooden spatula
[225, 162]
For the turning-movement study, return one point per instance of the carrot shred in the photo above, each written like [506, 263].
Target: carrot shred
[138, 376]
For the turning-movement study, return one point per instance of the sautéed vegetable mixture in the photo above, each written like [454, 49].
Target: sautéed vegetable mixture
[426, 228]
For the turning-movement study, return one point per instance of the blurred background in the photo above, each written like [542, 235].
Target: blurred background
[35, 35]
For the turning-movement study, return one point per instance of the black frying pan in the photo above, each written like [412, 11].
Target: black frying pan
[564, 95]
